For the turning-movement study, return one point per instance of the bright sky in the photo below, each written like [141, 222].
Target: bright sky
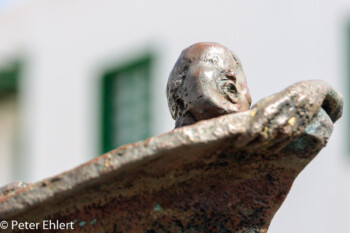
[3, 3]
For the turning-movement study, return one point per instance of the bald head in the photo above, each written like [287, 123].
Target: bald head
[207, 81]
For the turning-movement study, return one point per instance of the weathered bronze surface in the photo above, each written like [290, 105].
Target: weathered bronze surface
[229, 172]
[12, 187]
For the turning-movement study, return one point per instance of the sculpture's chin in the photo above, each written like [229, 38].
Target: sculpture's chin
[210, 113]
[232, 99]
[213, 105]
[232, 107]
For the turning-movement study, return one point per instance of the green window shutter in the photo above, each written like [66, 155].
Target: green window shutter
[9, 79]
[347, 95]
[126, 104]
[9, 122]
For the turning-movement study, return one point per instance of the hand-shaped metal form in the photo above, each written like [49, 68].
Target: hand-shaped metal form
[225, 168]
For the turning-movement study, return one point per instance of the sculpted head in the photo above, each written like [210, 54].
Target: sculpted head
[207, 81]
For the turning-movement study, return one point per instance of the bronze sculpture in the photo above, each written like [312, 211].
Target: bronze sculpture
[207, 81]
[225, 168]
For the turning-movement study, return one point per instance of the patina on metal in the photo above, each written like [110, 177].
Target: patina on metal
[12, 187]
[225, 168]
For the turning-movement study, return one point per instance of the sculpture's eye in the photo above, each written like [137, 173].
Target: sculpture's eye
[232, 88]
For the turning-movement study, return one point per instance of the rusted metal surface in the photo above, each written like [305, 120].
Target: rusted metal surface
[226, 174]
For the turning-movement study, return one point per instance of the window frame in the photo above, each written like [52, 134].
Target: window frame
[107, 90]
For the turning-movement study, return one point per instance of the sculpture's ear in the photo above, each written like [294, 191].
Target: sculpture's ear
[174, 100]
[175, 81]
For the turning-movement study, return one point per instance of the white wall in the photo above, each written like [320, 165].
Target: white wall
[8, 126]
[66, 45]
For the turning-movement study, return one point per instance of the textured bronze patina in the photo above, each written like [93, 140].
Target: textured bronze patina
[12, 187]
[229, 172]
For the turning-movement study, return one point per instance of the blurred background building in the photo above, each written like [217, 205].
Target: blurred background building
[81, 77]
